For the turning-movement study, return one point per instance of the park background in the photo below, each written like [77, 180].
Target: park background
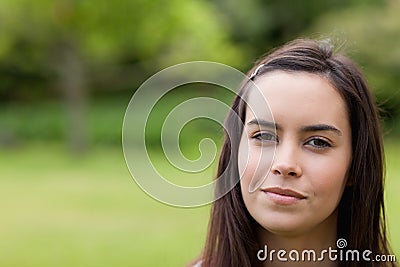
[68, 69]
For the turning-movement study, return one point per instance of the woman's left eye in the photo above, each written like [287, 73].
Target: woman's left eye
[319, 143]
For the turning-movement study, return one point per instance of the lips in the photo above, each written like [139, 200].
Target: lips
[284, 192]
[283, 196]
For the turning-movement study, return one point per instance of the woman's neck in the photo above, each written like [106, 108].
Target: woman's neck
[311, 248]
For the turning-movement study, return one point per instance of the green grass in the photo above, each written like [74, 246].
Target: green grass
[64, 210]
[392, 196]
[59, 210]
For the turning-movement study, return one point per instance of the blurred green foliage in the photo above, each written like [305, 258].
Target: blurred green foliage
[59, 57]
[372, 37]
[264, 24]
[117, 43]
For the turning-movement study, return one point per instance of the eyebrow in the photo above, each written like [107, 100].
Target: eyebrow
[308, 128]
[321, 127]
[264, 123]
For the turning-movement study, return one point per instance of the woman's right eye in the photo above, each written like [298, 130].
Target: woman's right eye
[265, 136]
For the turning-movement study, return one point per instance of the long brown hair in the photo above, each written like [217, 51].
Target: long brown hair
[232, 239]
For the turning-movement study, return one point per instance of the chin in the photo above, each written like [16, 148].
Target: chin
[283, 226]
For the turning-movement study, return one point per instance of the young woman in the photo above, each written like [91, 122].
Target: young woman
[320, 194]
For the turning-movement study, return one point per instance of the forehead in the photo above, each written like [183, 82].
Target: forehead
[296, 96]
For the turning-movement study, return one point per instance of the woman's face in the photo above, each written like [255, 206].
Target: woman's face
[302, 183]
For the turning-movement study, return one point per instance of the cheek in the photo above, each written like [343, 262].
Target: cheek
[247, 164]
[329, 179]
[254, 162]
[248, 158]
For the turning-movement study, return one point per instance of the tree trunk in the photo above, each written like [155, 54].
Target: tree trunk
[72, 84]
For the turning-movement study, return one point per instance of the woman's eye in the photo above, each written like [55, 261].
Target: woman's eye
[319, 143]
[265, 137]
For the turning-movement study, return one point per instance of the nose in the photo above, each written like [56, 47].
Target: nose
[286, 162]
